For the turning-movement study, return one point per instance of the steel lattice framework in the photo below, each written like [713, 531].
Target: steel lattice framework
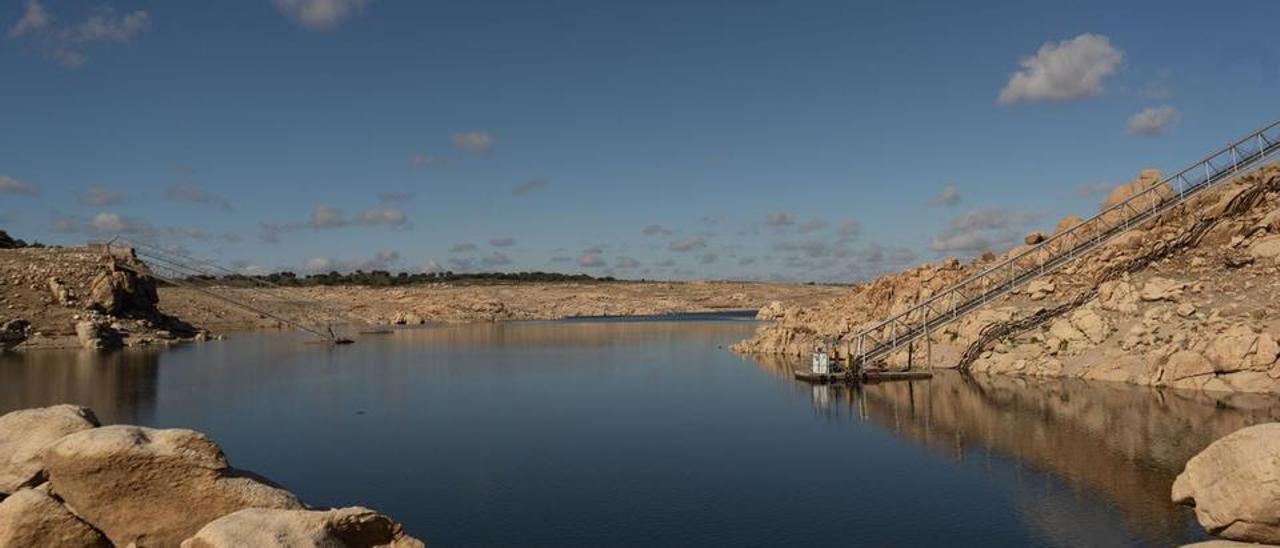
[884, 338]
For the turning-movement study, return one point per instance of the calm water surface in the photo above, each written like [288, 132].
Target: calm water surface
[650, 432]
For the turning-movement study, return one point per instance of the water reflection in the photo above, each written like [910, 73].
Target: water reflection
[118, 386]
[1124, 442]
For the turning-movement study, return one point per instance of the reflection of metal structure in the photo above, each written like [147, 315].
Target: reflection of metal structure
[879, 341]
[262, 297]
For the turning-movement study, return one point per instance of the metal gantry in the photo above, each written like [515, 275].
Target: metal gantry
[884, 338]
[259, 296]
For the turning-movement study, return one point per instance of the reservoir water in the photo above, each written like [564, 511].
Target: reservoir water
[593, 433]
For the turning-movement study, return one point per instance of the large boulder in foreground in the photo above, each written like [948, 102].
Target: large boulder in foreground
[353, 527]
[152, 487]
[1234, 485]
[25, 434]
[31, 517]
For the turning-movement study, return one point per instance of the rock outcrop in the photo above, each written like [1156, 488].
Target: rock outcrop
[88, 297]
[1234, 485]
[32, 517]
[1182, 300]
[25, 434]
[269, 528]
[66, 481]
[152, 487]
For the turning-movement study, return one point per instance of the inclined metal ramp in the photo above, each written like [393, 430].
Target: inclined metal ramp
[252, 294]
[879, 341]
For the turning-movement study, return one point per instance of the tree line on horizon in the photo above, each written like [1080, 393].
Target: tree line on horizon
[383, 278]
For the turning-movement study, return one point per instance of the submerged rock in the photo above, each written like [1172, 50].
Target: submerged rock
[31, 517]
[153, 487]
[26, 433]
[1234, 485]
[353, 527]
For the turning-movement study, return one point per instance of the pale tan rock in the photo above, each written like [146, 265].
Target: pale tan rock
[1118, 296]
[1040, 288]
[1239, 349]
[1266, 248]
[153, 487]
[1162, 289]
[353, 527]
[1067, 223]
[24, 435]
[32, 518]
[1234, 485]
[1093, 325]
[772, 311]
[97, 335]
[1034, 238]
[1184, 364]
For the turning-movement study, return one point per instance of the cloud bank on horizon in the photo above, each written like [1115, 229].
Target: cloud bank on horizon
[703, 156]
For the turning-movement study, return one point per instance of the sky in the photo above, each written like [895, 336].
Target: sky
[743, 139]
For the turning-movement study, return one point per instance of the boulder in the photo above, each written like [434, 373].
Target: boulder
[1162, 289]
[1185, 364]
[1118, 296]
[1234, 485]
[26, 433]
[153, 487]
[61, 294]
[771, 311]
[1240, 349]
[121, 292]
[98, 335]
[353, 527]
[31, 517]
[13, 333]
[1034, 238]
[1093, 325]
[1039, 288]
[1266, 248]
[1067, 223]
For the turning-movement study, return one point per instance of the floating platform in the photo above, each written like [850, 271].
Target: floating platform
[865, 377]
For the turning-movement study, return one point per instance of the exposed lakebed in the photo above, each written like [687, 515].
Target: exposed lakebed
[649, 432]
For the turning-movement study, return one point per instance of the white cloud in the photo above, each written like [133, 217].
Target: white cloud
[68, 44]
[109, 222]
[34, 19]
[383, 216]
[496, 259]
[981, 230]
[327, 216]
[812, 226]
[1064, 71]
[13, 186]
[192, 195]
[590, 261]
[320, 14]
[848, 230]
[688, 244]
[655, 230]
[949, 196]
[627, 263]
[98, 196]
[474, 141]
[534, 185]
[1153, 121]
[780, 219]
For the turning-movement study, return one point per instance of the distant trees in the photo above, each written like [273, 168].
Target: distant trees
[8, 242]
[383, 278]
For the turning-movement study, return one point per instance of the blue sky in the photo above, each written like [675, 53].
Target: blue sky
[663, 139]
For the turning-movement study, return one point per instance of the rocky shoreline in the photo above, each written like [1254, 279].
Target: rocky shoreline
[1182, 301]
[454, 303]
[67, 481]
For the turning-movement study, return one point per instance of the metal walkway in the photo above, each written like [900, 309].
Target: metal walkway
[881, 340]
[255, 295]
